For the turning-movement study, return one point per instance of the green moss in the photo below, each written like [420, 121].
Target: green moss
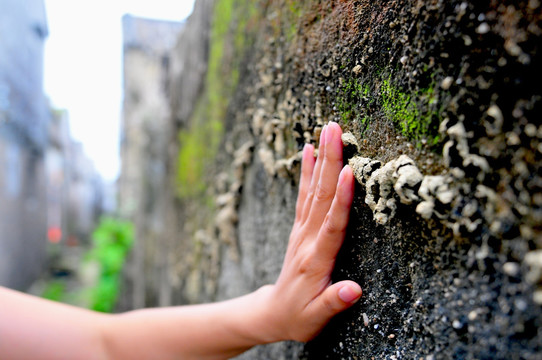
[199, 143]
[398, 106]
[415, 114]
[349, 99]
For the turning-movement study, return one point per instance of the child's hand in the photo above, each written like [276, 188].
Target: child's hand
[303, 299]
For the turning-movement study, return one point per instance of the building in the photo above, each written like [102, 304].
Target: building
[24, 118]
[145, 136]
[49, 189]
[74, 188]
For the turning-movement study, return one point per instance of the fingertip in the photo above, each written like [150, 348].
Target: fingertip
[345, 185]
[333, 143]
[346, 174]
[335, 129]
[308, 160]
[334, 125]
[308, 151]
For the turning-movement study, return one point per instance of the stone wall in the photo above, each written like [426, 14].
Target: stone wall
[442, 103]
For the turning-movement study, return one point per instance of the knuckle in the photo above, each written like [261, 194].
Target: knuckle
[305, 265]
[310, 195]
[298, 212]
[324, 194]
[329, 304]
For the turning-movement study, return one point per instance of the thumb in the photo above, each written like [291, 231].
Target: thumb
[338, 297]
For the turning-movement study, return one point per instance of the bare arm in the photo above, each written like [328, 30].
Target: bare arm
[296, 307]
[33, 328]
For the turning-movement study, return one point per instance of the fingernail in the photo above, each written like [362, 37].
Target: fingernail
[348, 294]
[342, 176]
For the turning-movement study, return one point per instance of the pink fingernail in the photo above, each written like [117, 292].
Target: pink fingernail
[342, 176]
[349, 294]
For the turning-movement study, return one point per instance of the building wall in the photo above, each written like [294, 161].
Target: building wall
[23, 30]
[144, 149]
[23, 138]
[74, 188]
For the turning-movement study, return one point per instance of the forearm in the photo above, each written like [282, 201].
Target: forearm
[208, 331]
[33, 328]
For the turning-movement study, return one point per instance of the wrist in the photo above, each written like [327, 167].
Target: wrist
[267, 324]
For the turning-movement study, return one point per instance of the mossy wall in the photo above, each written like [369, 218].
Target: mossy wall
[443, 98]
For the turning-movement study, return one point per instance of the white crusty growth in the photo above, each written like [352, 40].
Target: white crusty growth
[399, 176]
[408, 177]
[379, 195]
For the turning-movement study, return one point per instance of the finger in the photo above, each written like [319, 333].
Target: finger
[307, 168]
[333, 230]
[329, 173]
[336, 298]
[315, 175]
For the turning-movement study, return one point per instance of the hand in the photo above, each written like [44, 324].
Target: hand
[303, 300]
[297, 307]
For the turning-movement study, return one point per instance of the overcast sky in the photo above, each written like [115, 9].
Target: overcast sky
[83, 67]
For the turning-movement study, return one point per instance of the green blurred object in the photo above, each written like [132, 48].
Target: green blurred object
[112, 240]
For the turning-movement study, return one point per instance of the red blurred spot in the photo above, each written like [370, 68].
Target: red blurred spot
[54, 234]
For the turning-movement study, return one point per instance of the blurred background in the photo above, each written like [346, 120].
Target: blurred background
[62, 232]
